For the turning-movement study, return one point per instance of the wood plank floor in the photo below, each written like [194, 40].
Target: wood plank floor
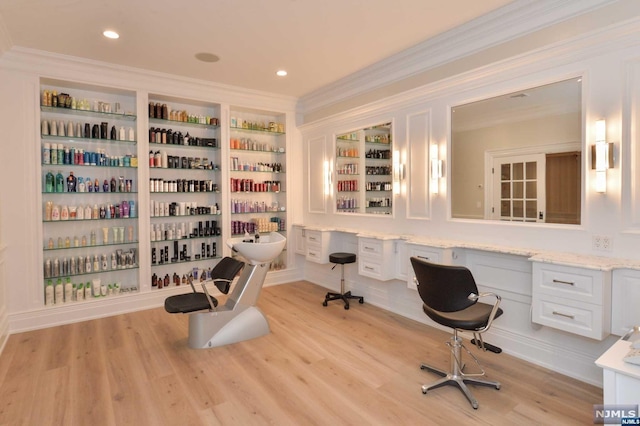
[319, 366]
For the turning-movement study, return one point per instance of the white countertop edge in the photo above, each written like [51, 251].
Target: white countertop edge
[612, 359]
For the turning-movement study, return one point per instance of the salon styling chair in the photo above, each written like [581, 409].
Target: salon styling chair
[450, 298]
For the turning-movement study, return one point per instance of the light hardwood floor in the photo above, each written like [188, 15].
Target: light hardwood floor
[319, 366]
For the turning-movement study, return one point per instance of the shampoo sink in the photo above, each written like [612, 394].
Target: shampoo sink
[267, 248]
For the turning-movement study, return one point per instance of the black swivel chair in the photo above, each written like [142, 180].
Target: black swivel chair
[341, 259]
[450, 297]
[222, 275]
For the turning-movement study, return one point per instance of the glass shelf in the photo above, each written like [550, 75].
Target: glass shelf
[258, 151]
[348, 174]
[261, 233]
[88, 113]
[88, 165]
[347, 140]
[185, 239]
[379, 190]
[347, 191]
[379, 143]
[89, 247]
[268, 132]
[257, 192]
[131, 268]
[170, 145]
[75, 139]
[347, 156]
[89, 220]
[186, 215]
[256, 171]
[182, 123]
[185, 261]
[216, 169]
[194, 192]
[270, 212]
[87, 193]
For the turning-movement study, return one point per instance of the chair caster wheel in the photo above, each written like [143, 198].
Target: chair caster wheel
[361, 301]
[424, 391]
[498, 387]
[324, 303]
[474, 404]
[346, 307]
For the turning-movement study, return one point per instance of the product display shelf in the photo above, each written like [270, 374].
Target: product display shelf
[188, 164]
[93, 132]
[88, 113]
[89, 246]
[257, 171]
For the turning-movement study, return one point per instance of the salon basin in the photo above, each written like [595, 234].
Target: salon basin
[268, 247]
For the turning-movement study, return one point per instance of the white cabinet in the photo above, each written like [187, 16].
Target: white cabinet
[300, 237]
[318, 245]
[377, 258]
[625, 297]
[621, 380]
[576, 300]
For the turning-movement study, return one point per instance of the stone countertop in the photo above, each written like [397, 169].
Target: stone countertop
[542, 256]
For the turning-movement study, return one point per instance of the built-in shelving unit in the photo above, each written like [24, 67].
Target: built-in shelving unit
[89, 192]
[257, 170]
[184, 185]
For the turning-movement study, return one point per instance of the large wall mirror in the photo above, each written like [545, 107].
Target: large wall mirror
[363, 168]
[518, 157]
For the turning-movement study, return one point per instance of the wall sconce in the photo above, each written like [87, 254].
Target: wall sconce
[328, 188]
[601, 156]
[436, 168]
[398, 172]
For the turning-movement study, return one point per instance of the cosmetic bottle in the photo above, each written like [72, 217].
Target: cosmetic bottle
[59, 182]
[68, 291]
[48, 294]
[53, 128]
[49, 182]
[79, 292]
[96, 263]
[64, 213]
[59, 292]
[87, 291]
[55, 213]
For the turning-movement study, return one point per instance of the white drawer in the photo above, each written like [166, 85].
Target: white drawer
[370, 268]
[579, 318]
[424, 254]
[585, 285]
[370, 247]
[314, 238]
[317, 255]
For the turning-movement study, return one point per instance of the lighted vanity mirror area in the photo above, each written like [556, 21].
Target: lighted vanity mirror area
[518, 157]
[364, 171]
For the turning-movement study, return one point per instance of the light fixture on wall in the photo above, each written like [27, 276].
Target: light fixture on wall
[398, 171]
[328, 188]
[601, 156]
[436, 168]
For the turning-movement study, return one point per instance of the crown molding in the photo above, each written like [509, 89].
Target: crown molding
[87, 71]
[509, 22]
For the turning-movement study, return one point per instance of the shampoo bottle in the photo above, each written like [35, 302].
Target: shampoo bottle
[59, 292]
[48, 294]
[68, 291]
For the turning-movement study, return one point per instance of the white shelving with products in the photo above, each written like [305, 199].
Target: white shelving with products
[257, 167]
[185, 200]
[89, 190]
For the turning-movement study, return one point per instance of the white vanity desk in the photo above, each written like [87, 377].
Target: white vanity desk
[572, 294]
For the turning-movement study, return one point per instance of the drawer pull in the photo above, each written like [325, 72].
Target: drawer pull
[424, 257]
[560, 314]
[369, 268]
[563, 282]
[312, 254]
[312, 239]
[368, 248]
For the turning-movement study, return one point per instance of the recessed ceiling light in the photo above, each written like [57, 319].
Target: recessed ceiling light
[281, 73]
[207, 57]
[111, 34]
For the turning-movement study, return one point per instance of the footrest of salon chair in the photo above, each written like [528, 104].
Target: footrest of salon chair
[186, 303]
[489, 347]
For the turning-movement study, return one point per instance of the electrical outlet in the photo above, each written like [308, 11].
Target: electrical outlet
[607, 243]
[597, 242]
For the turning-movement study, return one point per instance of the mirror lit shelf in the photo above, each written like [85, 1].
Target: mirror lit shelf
[180, 262]
[88, 165]
[258, 192]
[176, 146]
[256, 131]
[280, 231]
[100, 272]
[88, 113]
[265, 212]
[183, 123]
[174, 170]
[113, 219]
[257, 171]
[89, 247]
[258, 151]
[73, 139]
[346, 139]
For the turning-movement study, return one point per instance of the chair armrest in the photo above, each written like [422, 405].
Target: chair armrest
[204, 288]
[494, 310]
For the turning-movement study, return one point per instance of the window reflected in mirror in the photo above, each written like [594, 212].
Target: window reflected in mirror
[518, 157]
[363, 168]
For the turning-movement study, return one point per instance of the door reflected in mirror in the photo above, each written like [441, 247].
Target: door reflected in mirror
[364, 171]
[518, 157]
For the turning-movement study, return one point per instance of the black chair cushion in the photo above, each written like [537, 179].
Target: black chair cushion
[472, 318]
[342, 258]
[227, 269]
[188, 302]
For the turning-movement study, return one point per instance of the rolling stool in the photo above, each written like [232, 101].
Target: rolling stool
[341, 259]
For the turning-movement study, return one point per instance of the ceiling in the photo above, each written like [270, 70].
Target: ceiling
[316, 41]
